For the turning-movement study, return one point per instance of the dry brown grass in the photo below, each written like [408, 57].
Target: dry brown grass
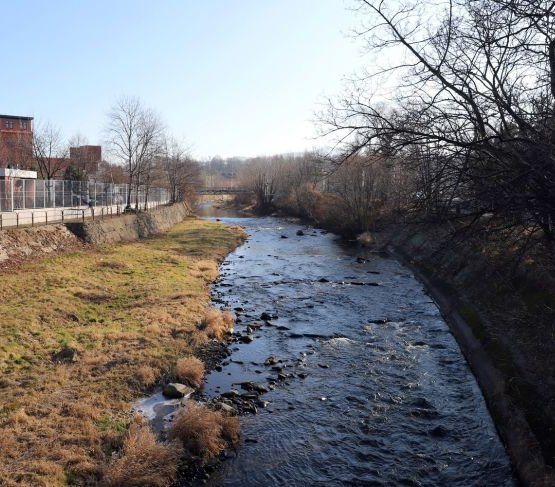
[204, 433]
[143, 462]
[145, 376]
[190, 370]
[60, 422]
[216, 323]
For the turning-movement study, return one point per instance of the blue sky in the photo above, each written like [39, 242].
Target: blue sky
[235, 77]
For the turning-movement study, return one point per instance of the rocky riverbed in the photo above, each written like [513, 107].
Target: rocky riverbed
[344, 371]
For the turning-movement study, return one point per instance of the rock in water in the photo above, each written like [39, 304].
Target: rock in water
[300, 233]
[174, 390]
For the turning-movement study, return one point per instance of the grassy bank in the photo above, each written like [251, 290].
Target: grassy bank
[129, 311]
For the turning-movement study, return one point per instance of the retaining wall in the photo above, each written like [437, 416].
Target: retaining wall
[129, 227]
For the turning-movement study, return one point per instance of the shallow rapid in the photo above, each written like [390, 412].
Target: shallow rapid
[374, 389]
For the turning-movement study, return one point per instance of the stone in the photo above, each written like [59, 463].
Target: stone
[246, 339]
[230, 394]
[222, 406]
[65, 355]
[271, 360]
[323, 279]
[300, 233]
[175, 390]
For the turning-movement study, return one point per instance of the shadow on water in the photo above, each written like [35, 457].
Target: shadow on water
[373, 388]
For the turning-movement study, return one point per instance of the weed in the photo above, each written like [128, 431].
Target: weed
[204, 433]
[143, 462]
[217, 324]
[190, 370]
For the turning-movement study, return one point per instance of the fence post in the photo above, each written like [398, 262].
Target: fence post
[62, 216]
[92, 212]
[32, 218]
[1, 222]
[46, 217]
[17, 220]
[102, 212]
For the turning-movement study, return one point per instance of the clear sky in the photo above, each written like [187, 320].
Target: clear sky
[232, 77]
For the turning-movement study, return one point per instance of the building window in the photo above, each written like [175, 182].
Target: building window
[23, 124]
[8, 124]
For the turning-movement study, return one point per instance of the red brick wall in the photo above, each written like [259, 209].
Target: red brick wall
[16, 142]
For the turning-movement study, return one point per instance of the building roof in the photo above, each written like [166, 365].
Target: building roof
[16, 117]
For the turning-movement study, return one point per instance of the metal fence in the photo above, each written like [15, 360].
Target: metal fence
[28, 194]
[30, 218]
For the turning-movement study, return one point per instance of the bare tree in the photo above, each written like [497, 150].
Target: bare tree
[262, 175]
[181, 171]
[134, 136]
[472, 100]
[49, 151]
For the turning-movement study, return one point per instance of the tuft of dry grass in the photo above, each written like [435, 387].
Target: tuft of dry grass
[190, 370]
[216, 323]
[59, 422]
[205, 269]
[145, 376]
[143, 462]
[204, 433]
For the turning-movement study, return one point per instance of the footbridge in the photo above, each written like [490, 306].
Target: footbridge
[222, 190]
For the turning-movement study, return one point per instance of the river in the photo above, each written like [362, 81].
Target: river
[374, 389]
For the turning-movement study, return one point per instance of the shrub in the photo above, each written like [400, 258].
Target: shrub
[190, 370]
[203, 432]
[216, 324]
[143, 462]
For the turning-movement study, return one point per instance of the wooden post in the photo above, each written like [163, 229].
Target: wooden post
[32, 218]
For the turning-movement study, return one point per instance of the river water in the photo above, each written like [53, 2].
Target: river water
[374, 389]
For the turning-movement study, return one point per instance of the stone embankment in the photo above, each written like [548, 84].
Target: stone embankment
[129, 227]
[486, 317]
[17, 245]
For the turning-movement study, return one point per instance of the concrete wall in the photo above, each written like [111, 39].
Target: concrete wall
[17, 245]
[126, 228]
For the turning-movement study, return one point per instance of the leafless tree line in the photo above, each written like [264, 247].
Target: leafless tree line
[138, 140]
[144, 155]
[349, 198]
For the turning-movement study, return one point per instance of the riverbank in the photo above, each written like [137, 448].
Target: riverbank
[86, 332]
[501, 313]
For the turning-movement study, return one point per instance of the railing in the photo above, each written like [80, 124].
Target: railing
[31, 218]
[221, 190]
[29, 202]
[25, 194]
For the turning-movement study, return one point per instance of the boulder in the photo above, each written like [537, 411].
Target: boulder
[175, 390]
[300, 233]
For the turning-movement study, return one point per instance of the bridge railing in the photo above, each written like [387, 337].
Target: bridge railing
[221, 190]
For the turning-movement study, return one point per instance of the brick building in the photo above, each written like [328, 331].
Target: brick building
[86, 157]
[16, 141]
